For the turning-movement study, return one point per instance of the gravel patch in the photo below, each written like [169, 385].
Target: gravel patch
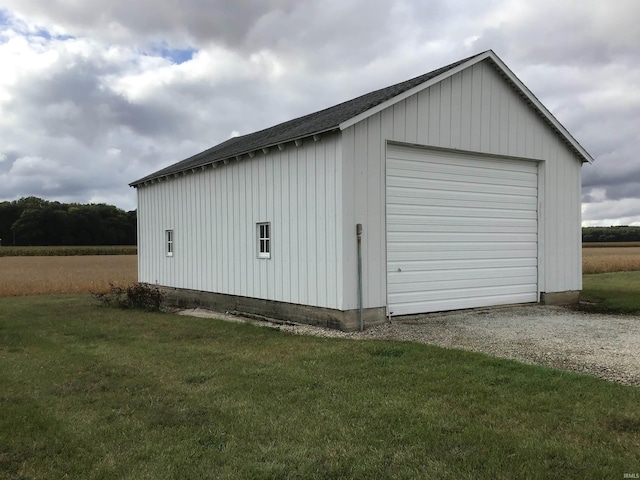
[606, 346]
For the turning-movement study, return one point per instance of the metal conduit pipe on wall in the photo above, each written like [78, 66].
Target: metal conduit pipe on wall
[359, 235]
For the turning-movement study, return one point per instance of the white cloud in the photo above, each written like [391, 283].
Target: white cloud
[97, 94]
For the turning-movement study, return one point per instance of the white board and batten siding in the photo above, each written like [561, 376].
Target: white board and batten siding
[470, 124]
[461, 230]
[213, 214]
[476, 111]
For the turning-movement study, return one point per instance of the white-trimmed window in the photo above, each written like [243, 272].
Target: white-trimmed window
[263, 231]
[168, 237]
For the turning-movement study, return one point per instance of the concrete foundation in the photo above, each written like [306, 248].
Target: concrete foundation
[348, 320]
[560, 298]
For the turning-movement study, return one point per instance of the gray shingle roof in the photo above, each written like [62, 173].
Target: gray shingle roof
[314, 123]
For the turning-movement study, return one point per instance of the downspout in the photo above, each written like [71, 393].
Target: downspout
[359, 235]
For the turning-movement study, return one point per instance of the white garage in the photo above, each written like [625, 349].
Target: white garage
[462, 230]
[454, 189]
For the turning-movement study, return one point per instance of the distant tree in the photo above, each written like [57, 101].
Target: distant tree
[9, 213]
[80, 223]
[132, 228]
[611, 234]
[34, 221]
[31, 227]
[31, 202]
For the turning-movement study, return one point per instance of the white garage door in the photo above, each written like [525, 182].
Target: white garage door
[461, 230]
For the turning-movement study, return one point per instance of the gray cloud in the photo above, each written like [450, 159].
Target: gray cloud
[98, 99]
[571, 32]
[181, 23]
[581, 59]
[74, 100]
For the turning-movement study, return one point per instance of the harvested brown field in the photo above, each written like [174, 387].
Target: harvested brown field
[610, 259]
[73, 274]
[41, 275]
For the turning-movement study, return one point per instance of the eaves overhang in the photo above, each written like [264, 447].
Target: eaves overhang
[205, 163]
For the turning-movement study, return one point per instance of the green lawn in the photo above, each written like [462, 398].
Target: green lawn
[617, 292]
[92, 392]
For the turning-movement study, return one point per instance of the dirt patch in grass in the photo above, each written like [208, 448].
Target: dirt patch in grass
[69, 274]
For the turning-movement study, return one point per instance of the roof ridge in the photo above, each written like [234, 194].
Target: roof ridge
[323, 120]
[430, 74]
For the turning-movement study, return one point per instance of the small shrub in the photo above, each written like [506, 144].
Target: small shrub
[138, 295]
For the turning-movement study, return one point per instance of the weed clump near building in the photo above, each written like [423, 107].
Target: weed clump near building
[136, 296]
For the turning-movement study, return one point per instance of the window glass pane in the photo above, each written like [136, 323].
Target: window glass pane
[168, 235]
[264, 241]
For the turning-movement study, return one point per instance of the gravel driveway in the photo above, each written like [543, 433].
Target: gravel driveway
[607, 346]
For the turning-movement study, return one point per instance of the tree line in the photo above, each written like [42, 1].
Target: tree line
[611, 234]
[34, 221]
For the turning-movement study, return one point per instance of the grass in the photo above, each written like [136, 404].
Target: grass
[93, 392]
[611, 292]
[71, 274]
[57, 251]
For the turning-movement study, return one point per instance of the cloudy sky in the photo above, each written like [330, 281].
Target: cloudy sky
[95, 94]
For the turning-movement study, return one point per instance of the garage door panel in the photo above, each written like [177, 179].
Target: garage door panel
[457, 285]
[477, 292]
[440, 266]
[404, 259]
[461, 230]
[408, 157]
[414, 277]
[451, 163]
[400, 195]
[409, 308]
[507, 203]
[398, 250]
[418, 238]
[408, 214]
[468, 229]
[444, 182]
[423, 210]
[467, 186]
[463, 224]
